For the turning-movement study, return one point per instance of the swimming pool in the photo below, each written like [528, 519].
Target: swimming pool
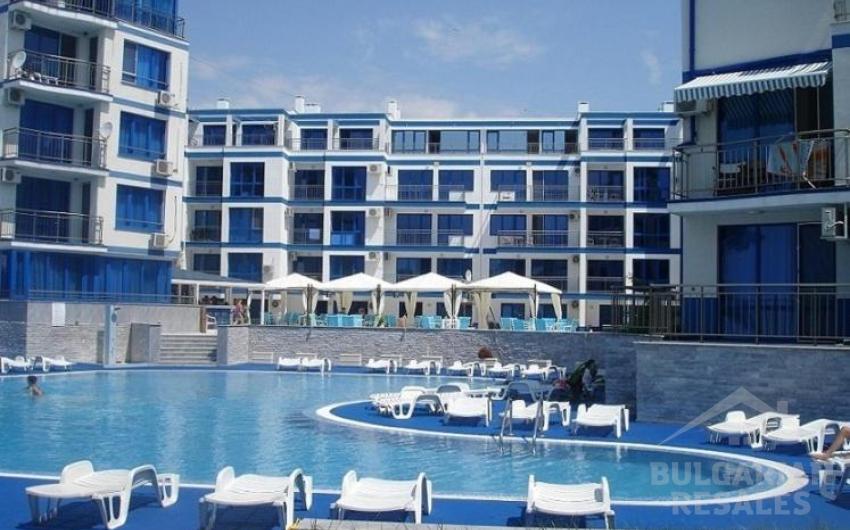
[196, 422]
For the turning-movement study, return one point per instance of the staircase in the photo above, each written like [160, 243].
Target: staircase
[192, 349]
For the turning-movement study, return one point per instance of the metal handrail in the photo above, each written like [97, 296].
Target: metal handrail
[51, 226]
[65, 72]
[205, 233]
[306, 144]
[356, 144]
[606, 193]
[124, 10]
[54, 148]
[437, 147]
[414, 237]
[534, 238]
[559, 282]
[606, 238]
[606, 144]
[305, 236]
[608, 284]
[307, 192]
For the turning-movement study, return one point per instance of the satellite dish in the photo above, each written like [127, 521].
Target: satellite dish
[467, 275]
[106, 129]
[18, 60]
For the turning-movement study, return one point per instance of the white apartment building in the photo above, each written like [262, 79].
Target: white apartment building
[93, 120]
[579, 202]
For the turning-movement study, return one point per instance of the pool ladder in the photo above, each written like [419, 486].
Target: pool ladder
[508, 422]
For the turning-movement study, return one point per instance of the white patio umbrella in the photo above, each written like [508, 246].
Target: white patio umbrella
[308, 287]
[431, 282]
[509, 282]
[344, 288]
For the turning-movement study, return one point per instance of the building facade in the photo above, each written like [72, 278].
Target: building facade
[761, 183]
[580, 203]
[93, 123]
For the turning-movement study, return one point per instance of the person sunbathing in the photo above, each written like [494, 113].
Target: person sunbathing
[840, 438]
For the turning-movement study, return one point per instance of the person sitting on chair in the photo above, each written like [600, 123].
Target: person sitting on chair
[842, 436]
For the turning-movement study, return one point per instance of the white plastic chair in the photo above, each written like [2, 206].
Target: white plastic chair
[48, 363]
[288, 363]
[569, 500]
[469, 408]
[374, 495]
[382, 365]
[834, 475]
[614, 416]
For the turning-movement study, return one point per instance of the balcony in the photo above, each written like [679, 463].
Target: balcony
[341, 238]
[650, 144]
[554, 193]
[606, 193]
[62, 72]
[808, 313]
[605, 284]
[307, 192]
[51, 148]
[448, 149]
[51, 227]
[558, 282]
[356, 144]
[414, 238]
[264, 138]
[306, 144]
[605, 239]
[307, 236]
[801, 162]
[606, 144]
[535, 239]
[123, 10]
[205, 234]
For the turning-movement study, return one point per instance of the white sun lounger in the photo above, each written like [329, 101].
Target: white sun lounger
[257, 490]
[382, 365]
[322, 365]
[422, 367]
[48, 363]
[737, 425]
[812, 434]
[834, 475]
[534, 371]
[469, 408]
[569, 500]
[615, 416]
[288, 363]
[505, 370]
[525, 413]
[404, 408]
[18, 363]
[385, 402]
[374, 495]
[110, 490]
[467, 369]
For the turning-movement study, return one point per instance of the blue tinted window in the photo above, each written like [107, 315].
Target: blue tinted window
[138, 209]
[145, 67]
[408, 141]
[454, 267]
[652, 184]
[247, 179]
[650, 271]
[507, 223]
[652, 230]
[349, 184]
[141, 137]
[342, 266]
[508, 180]
[208, 263]
[214, 134]
[245, 266]
[208, 181]
[410, 267]
[498, 266]
[246, 225]
[347, 228]
[259, 134]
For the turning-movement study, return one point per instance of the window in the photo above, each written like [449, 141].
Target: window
[454, 141]
[246, 225]
[507, 223]
[509, 141]
[650, 271]
[498, 266]
[551, 185]
[138, 209]
[409, 267]
[604, 275]
[413, 229]
[551, 271]
[160, 15]
[652, 184]
[452, 225]
[352, 139]
[550, 230]
[347, 229]
[145, 67]
[415, 184]
[509, 180]
[453, 181]
[314, 139]
[309, 266]
[408, 141]
[43, 46]
[454, 267]
[245, 266]
[215, 134]
[308, 185]
[512, 311]
[342, 266]
[605, 223]
[208, 263]
[207, 226]
[307, 228]
[349, 184]
[652, 230]
[559, 141]
[743, 118]
[259, 134]
[611, 138]
[247, 179]
[605, 185]
[141, 137]
[208, 181]
[650, 139]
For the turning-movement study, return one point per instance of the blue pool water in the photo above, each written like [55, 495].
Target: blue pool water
[195, 422]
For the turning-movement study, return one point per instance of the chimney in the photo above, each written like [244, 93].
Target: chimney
[583, 107]
[393, 110]
[299, 104]
[668, 106]
[312, 108]
[222, 103]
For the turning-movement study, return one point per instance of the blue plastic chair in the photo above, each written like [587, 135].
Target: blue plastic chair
[506, 323]
[334, 321]
[391, 321]
[464, 322]
[355, 321]
[520, 324]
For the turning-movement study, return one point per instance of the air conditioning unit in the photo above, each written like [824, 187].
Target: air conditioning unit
[158, 241]
[374, 212]
[573, 216]
[166, 99]
[20, 21]
[574, 304]
[376, 170]
[694, 108]
[457, 195]
[164, 168]
[507, 196]
[267, 271]
[833, 222]
[15, 97]
[10, 176]
[576, 258]
[455, 241]
[374, 256]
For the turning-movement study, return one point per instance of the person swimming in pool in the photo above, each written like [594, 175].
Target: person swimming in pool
[32, 386]
[842, 436]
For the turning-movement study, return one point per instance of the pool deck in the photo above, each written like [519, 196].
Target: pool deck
[802, 509]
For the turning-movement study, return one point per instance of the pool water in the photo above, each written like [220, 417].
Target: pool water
[196, 422]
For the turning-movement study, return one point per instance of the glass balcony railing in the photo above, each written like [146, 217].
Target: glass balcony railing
[605, 284]
[606, 239]
[558, 282]
[51, 227]
[307, 192]
[606, 193]
[535, 238]
[606, 144]
[414, 238]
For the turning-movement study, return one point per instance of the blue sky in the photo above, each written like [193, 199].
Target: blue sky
[439, 58]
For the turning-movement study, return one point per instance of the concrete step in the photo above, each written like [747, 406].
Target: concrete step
[194, 349]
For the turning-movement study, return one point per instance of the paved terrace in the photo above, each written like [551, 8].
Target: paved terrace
[803, 509]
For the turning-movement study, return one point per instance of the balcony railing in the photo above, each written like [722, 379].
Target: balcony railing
[307, 236]
[64, 72]
[307, 144]
[606, 193]
[605, 238]
[800, 162]
[605, 284]
[52, 148]
[558, 282]
[307, 192]
[205, 234]
[347, 238]
[739, 312]
[650, 144]
[356, 144]
[447, 149]
[535, 238]
[427, 192]
[606, 144]
[124, 10]
[51, 227]
[257, 139]
[538, 193]
[408, 237]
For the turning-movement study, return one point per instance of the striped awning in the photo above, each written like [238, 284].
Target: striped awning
[754, 81]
